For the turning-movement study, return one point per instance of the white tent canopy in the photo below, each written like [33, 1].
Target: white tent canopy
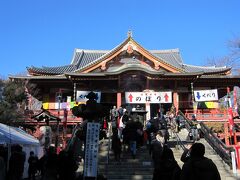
[12, 135]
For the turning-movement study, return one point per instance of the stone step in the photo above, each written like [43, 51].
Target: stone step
[128, 169]
[136, 169]
[135, 172]
[129, 177]
[142, 167]
[120, 165]
[223, 168]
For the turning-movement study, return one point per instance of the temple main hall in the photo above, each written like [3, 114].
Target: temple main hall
[130, 76]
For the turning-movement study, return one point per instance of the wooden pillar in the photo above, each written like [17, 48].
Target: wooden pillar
[176, 100]
[147, 84]
[175, 96]
[148, 109]
[119, 99]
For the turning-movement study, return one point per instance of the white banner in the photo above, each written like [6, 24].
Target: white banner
[148, 97]
[206, 95]
[81, 96]
[91, 150]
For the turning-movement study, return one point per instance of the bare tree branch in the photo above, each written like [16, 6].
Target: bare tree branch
[231, 60]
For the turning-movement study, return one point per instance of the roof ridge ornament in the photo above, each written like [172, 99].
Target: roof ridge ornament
[129, 33]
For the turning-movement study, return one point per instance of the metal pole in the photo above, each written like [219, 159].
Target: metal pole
[193, 100]
[192, 92]
[192, 97]
[234, 167]
[64, 134]
[57, 132]
[74, 92]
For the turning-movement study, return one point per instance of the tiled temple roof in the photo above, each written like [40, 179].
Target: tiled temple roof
[51, 70]
[205, 69]
[85, 58]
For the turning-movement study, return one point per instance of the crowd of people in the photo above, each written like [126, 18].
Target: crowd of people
[51, 166]
[196, 165]
[128, 134]
[155, 134]
[13, 170]
[129, 131]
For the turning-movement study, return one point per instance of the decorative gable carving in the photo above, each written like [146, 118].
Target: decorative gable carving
[129, 47]
[130, 50]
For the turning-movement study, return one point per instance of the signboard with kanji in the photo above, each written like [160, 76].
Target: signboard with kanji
[81, 96]
[206, 95]
[148, 97]
[91, 150]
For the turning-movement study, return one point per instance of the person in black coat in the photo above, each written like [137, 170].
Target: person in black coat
[49, 164]
[16, 163]
[125, 117]
[156, 148]
[186, 153]
[167, 168]
[198, 167]
[32, 165]
[67, 165]
[131, 134]
[116, 146]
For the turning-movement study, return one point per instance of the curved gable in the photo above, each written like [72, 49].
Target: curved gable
[129, 46]
[126, 54]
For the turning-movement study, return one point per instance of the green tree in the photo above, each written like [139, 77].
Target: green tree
[13, 101]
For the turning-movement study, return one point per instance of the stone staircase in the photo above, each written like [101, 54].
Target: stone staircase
[128, 168]
[142, 168]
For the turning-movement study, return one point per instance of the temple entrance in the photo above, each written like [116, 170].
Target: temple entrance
[136, 111]
[156, 108]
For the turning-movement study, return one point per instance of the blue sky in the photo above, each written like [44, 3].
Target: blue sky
[45, 32]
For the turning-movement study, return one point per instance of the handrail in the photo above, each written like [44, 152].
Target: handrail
[223, 151]
[179, 141]
[70, 142]
[109, 142]
[237, 127]
[188, 123]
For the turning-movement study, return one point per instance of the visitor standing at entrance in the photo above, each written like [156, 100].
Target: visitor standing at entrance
[163, 127]
[120, 111]
[125, 117]
[114, 113]
[114, 117]
[122, 123]
[131, 135]
[139, 132]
